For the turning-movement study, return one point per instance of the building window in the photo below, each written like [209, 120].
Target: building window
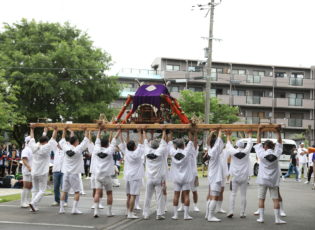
[295, 102]
[280, 115]
[237, 92]
[295, 122]
[174, 89]
[239, 72]
[296, 81]
[172, 67]
[280, 74]
[253, 79]
[252, 100]
[297, 75]
[258, 73]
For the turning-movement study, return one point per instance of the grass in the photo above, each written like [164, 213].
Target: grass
[10, 198]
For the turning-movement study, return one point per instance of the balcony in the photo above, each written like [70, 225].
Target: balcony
[253, 100]
[224, 99]
[296, 81]
[295, 123]
[294, 103]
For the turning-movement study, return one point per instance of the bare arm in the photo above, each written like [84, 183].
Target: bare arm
[54, 135]
[99, 134]
[71, 133]
[279, 136]
[32, 133]
[128, 137]
[259, 135]
[210, 137]
[45, 131]
[86, 133]
[140, 137]
[196, 139]
[164, 137]
[27, 165]
[64, 131]
[117, 134]
[145, 137]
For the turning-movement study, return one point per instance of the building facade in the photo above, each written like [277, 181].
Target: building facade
[264, 93]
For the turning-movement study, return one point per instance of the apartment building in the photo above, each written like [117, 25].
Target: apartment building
[249, 86]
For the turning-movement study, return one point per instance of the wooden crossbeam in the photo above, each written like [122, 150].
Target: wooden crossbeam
[111, 126]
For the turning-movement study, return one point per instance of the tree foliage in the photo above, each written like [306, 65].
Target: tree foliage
[57, 72]
[193, 104]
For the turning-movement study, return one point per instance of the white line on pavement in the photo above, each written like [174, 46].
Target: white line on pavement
[47, 224]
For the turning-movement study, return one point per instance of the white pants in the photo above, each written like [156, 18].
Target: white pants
[151, 187]
[304, 166]
[242, 185]
[39, 187]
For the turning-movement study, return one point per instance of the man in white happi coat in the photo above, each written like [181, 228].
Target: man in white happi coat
[239, 171]
[73, 166]
[269, 174]
[40, 165]
[27, 156]
[133, 171]
[215, 174]
[103, 170]
[155, 174]
[181, 173]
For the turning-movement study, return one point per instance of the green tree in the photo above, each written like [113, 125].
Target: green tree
[193, 104]
[57, 72]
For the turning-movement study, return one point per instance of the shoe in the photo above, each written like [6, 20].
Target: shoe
[146, 217]
[132, 216]
[282, 213]
[100, 206]
[83, 193]
[230, 215]
[299, 180]
[196, 209]
[283, 178]
[242, 215]
[306, 182]
[96, 216]
[76, 212]
[62, 210]
[55, 204]
[280, 222]
[138, 208]
[260, 220]
[93, 206]
[32, 206]
[214, 219]
[24, 205]
[160, 217]
[221, 211]
[109, 214]
[180, 209]
[256, 213]
[65, 205]
[188, 217]
[175, 217]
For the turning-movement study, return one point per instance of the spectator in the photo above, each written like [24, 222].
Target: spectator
[302, 161]
[3, 158]
[292, 167]
[117, 159]
[87, 163]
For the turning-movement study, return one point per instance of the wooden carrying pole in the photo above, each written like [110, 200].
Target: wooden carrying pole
[111, 126]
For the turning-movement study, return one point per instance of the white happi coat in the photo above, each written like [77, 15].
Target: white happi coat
[74, 164]
[155, 168]
[215, 171]
[133, 168]
[240, 168]
[27, 153]
[269, 172]
[103, 167]
[181, 170]
[41, 156]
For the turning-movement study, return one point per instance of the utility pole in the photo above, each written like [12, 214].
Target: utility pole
[273, 96]
[210, 7]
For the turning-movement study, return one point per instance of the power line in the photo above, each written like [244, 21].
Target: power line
[51, 68]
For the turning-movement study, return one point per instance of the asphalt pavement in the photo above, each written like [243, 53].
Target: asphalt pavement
[299, 204]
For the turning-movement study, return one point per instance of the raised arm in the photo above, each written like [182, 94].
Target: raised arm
[259, 136]
[211, 133]
[54, 135]
[279, 138]
[45, 131]
[249, 143]
[32, 132]
[140, 136]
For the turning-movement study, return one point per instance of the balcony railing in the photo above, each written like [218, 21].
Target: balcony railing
[252, 120]
[295, 101]
[253, 79]
[252, 100]
[295, 122]
[296, 81]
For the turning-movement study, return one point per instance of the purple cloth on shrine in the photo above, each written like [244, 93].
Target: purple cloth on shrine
[146, 96]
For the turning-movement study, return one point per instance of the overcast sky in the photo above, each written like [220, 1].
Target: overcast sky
[134, 32]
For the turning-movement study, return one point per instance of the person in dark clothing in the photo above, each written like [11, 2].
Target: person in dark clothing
[3, 157]
[292, 167]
